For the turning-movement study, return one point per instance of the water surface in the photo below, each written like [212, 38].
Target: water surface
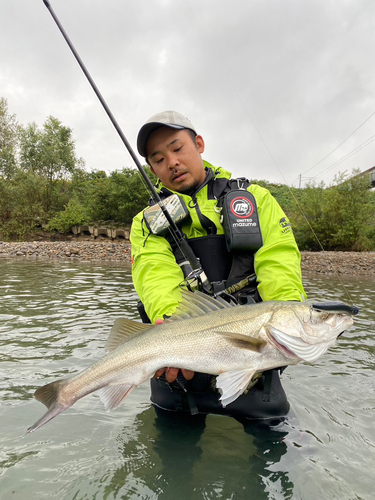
[55, 318]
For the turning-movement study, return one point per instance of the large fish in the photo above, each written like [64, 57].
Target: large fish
[204, 335]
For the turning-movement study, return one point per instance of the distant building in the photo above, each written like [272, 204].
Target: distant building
[371, 173]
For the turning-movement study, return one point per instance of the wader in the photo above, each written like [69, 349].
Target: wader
[266, 400]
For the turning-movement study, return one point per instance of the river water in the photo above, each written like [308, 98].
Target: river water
[54, 320]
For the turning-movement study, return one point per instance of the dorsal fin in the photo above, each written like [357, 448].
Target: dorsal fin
[123, 330]
[195, 304]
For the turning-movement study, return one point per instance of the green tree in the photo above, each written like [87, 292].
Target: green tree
[50, 153]
[338, 217]
[118, 197]
[285, 195]
[349, 209]
[308, 218]
[8, 141]
[21, 208]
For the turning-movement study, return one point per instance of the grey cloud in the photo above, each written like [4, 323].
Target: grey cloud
[299, 73]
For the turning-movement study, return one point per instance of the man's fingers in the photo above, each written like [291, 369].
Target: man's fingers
[171, 374]
[188, 374]
[159, 373]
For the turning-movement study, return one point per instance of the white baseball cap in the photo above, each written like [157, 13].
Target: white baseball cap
[170, 119]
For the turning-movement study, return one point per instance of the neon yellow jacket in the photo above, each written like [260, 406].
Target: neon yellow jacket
[157, 276]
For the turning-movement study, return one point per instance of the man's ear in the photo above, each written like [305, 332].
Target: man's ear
[200, 143]
[152, 170]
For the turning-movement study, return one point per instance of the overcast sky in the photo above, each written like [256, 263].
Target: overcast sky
[273, 86]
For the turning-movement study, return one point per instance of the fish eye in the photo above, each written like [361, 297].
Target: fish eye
[316, 316]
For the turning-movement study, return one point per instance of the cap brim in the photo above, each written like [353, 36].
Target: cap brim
[147, 130]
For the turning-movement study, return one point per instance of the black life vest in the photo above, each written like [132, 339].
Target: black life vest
[223, 267]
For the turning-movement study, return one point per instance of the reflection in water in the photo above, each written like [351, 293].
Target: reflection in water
[54, 321]
[213, 456]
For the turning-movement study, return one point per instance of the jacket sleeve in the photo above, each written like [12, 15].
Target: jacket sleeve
[156, 275]
[278, 262]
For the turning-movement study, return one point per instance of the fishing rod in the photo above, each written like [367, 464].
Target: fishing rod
[179, 237]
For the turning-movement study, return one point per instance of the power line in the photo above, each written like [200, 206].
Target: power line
[348, 155]
[341, 143]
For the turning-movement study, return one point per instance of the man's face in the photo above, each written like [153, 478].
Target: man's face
[175, 159]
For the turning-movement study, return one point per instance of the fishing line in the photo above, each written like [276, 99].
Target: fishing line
[292, 194]
[177, 235]
[231, 84]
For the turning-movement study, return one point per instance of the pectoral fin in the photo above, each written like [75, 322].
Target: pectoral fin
[243, 341]
[232, 384]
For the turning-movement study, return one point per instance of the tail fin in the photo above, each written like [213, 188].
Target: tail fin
[48, 395]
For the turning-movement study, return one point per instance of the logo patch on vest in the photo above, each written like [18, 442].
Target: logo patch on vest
[241, 207]
[241, 222]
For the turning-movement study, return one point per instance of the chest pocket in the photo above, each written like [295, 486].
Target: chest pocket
[241, 221]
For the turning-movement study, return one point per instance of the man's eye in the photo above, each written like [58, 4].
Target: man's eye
[178, 149]
[158, 162]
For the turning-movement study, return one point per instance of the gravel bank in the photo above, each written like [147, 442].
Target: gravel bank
[351, 263]
[82, 250]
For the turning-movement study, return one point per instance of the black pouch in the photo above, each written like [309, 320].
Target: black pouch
[240, 221]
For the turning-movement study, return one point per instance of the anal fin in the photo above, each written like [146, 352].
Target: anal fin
[113, 395]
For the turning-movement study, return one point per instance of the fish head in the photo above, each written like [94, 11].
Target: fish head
[307, 329]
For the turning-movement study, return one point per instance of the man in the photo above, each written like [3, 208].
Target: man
[260, 242]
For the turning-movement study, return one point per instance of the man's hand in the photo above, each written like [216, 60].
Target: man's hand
[172, 373]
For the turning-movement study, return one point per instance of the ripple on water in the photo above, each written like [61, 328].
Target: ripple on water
[54, 321]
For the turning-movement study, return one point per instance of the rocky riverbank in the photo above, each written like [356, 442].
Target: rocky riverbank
[351, 263]
[82, 250]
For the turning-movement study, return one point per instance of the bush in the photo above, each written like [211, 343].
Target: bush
[21, 209]
[340, 217]
[74, 214]
[118, 197]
